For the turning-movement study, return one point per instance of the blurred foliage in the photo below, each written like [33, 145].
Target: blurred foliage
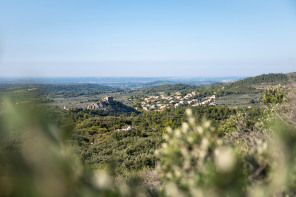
[273, 95]
[35, 160]
[194, 162]
[260, 161]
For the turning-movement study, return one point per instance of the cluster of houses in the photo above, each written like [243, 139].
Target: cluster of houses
[161, 101]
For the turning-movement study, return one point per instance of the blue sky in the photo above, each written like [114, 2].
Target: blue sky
[147, 38]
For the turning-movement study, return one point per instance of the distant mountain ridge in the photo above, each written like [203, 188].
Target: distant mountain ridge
[265, 78]
[117, 82]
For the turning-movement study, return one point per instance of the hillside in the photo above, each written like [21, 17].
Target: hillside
[243, 93]
[291, 77]
[249, 91]
[254, 85]
[165, 88]
[247, 85]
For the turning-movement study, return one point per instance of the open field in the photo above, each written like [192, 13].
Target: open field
[243, 100]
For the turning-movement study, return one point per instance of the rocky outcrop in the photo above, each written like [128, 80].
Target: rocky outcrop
[98, 105]
[111, 106]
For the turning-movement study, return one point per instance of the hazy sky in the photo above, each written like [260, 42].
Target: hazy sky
[147, 37]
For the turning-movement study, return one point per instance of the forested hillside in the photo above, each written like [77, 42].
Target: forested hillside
[255, 84]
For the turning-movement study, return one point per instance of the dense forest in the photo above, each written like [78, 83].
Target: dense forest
[100, 140]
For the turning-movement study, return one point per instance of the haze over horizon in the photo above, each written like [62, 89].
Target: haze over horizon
[149, 39]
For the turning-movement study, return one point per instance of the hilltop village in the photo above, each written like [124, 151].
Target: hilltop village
[108, 104]
[101, 104]
[161, 101]
[158, 102]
